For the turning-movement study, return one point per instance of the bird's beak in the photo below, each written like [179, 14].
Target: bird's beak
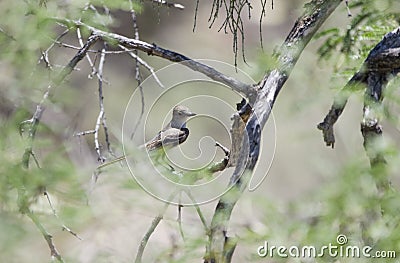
[190, 114]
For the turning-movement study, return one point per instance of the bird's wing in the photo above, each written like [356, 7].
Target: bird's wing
[166, 138]
[154, 143]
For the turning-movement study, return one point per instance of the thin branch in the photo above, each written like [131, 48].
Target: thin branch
[64, 227]
[263, 4]
[83, 133]
[146, 238]
[138, 78]
[151, 49]
[91, 64]
[100, 116]
[40, 108]
[135, 53]
[348, 9]
[356, 82]
[195, 15]
[143, 63]
[151, 229]
[168, 4]
[101, 99]
[198, 210]
[35, 159]
[61, 44]
[55, 41]
[49, 239]
[223, 148]
[179, 219]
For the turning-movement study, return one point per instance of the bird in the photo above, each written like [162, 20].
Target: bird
[173, 134]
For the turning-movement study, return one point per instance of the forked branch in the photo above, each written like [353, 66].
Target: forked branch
[220, 248]
[382, 63]
[152, 49]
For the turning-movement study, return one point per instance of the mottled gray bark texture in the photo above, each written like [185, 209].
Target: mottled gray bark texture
[381, 65]
[221, 246]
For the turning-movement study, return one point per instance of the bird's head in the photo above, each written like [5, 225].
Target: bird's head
[180, 114]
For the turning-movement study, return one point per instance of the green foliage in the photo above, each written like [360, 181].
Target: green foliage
[370, 21]
[346, 204]
[350, 202]
[27, 28]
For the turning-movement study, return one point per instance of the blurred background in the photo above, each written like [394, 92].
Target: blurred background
[113, 214]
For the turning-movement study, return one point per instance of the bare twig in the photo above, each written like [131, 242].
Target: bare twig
[151, 49]
[101, 99]
[64, 227]
[107, 52]
[49, 239]
[100, 157]
[101, 116]
[180, 221]
[91, 64]
[168, 4]
[45, 53]
[195, 15]
[263, 4]
[223, 148]
[233, 21]
[146, 238]
[83, 133]
[212, 169]
[151, 229]
[61, 44]
[138, 78]
[198, 210]
[143, 63]
[35, 159]
[32, 127]
[34, 121]
[348, 9]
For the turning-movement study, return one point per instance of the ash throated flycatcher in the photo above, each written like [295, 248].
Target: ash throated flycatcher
[173, 134]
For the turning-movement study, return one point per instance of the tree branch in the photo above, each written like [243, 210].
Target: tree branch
[32, 128]
[380, 66]
[152, 49]
[64, 227]
[339, 103]
[152, 227]
[49, 239]
[40, 108]
[382, 63]
[305, 27]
